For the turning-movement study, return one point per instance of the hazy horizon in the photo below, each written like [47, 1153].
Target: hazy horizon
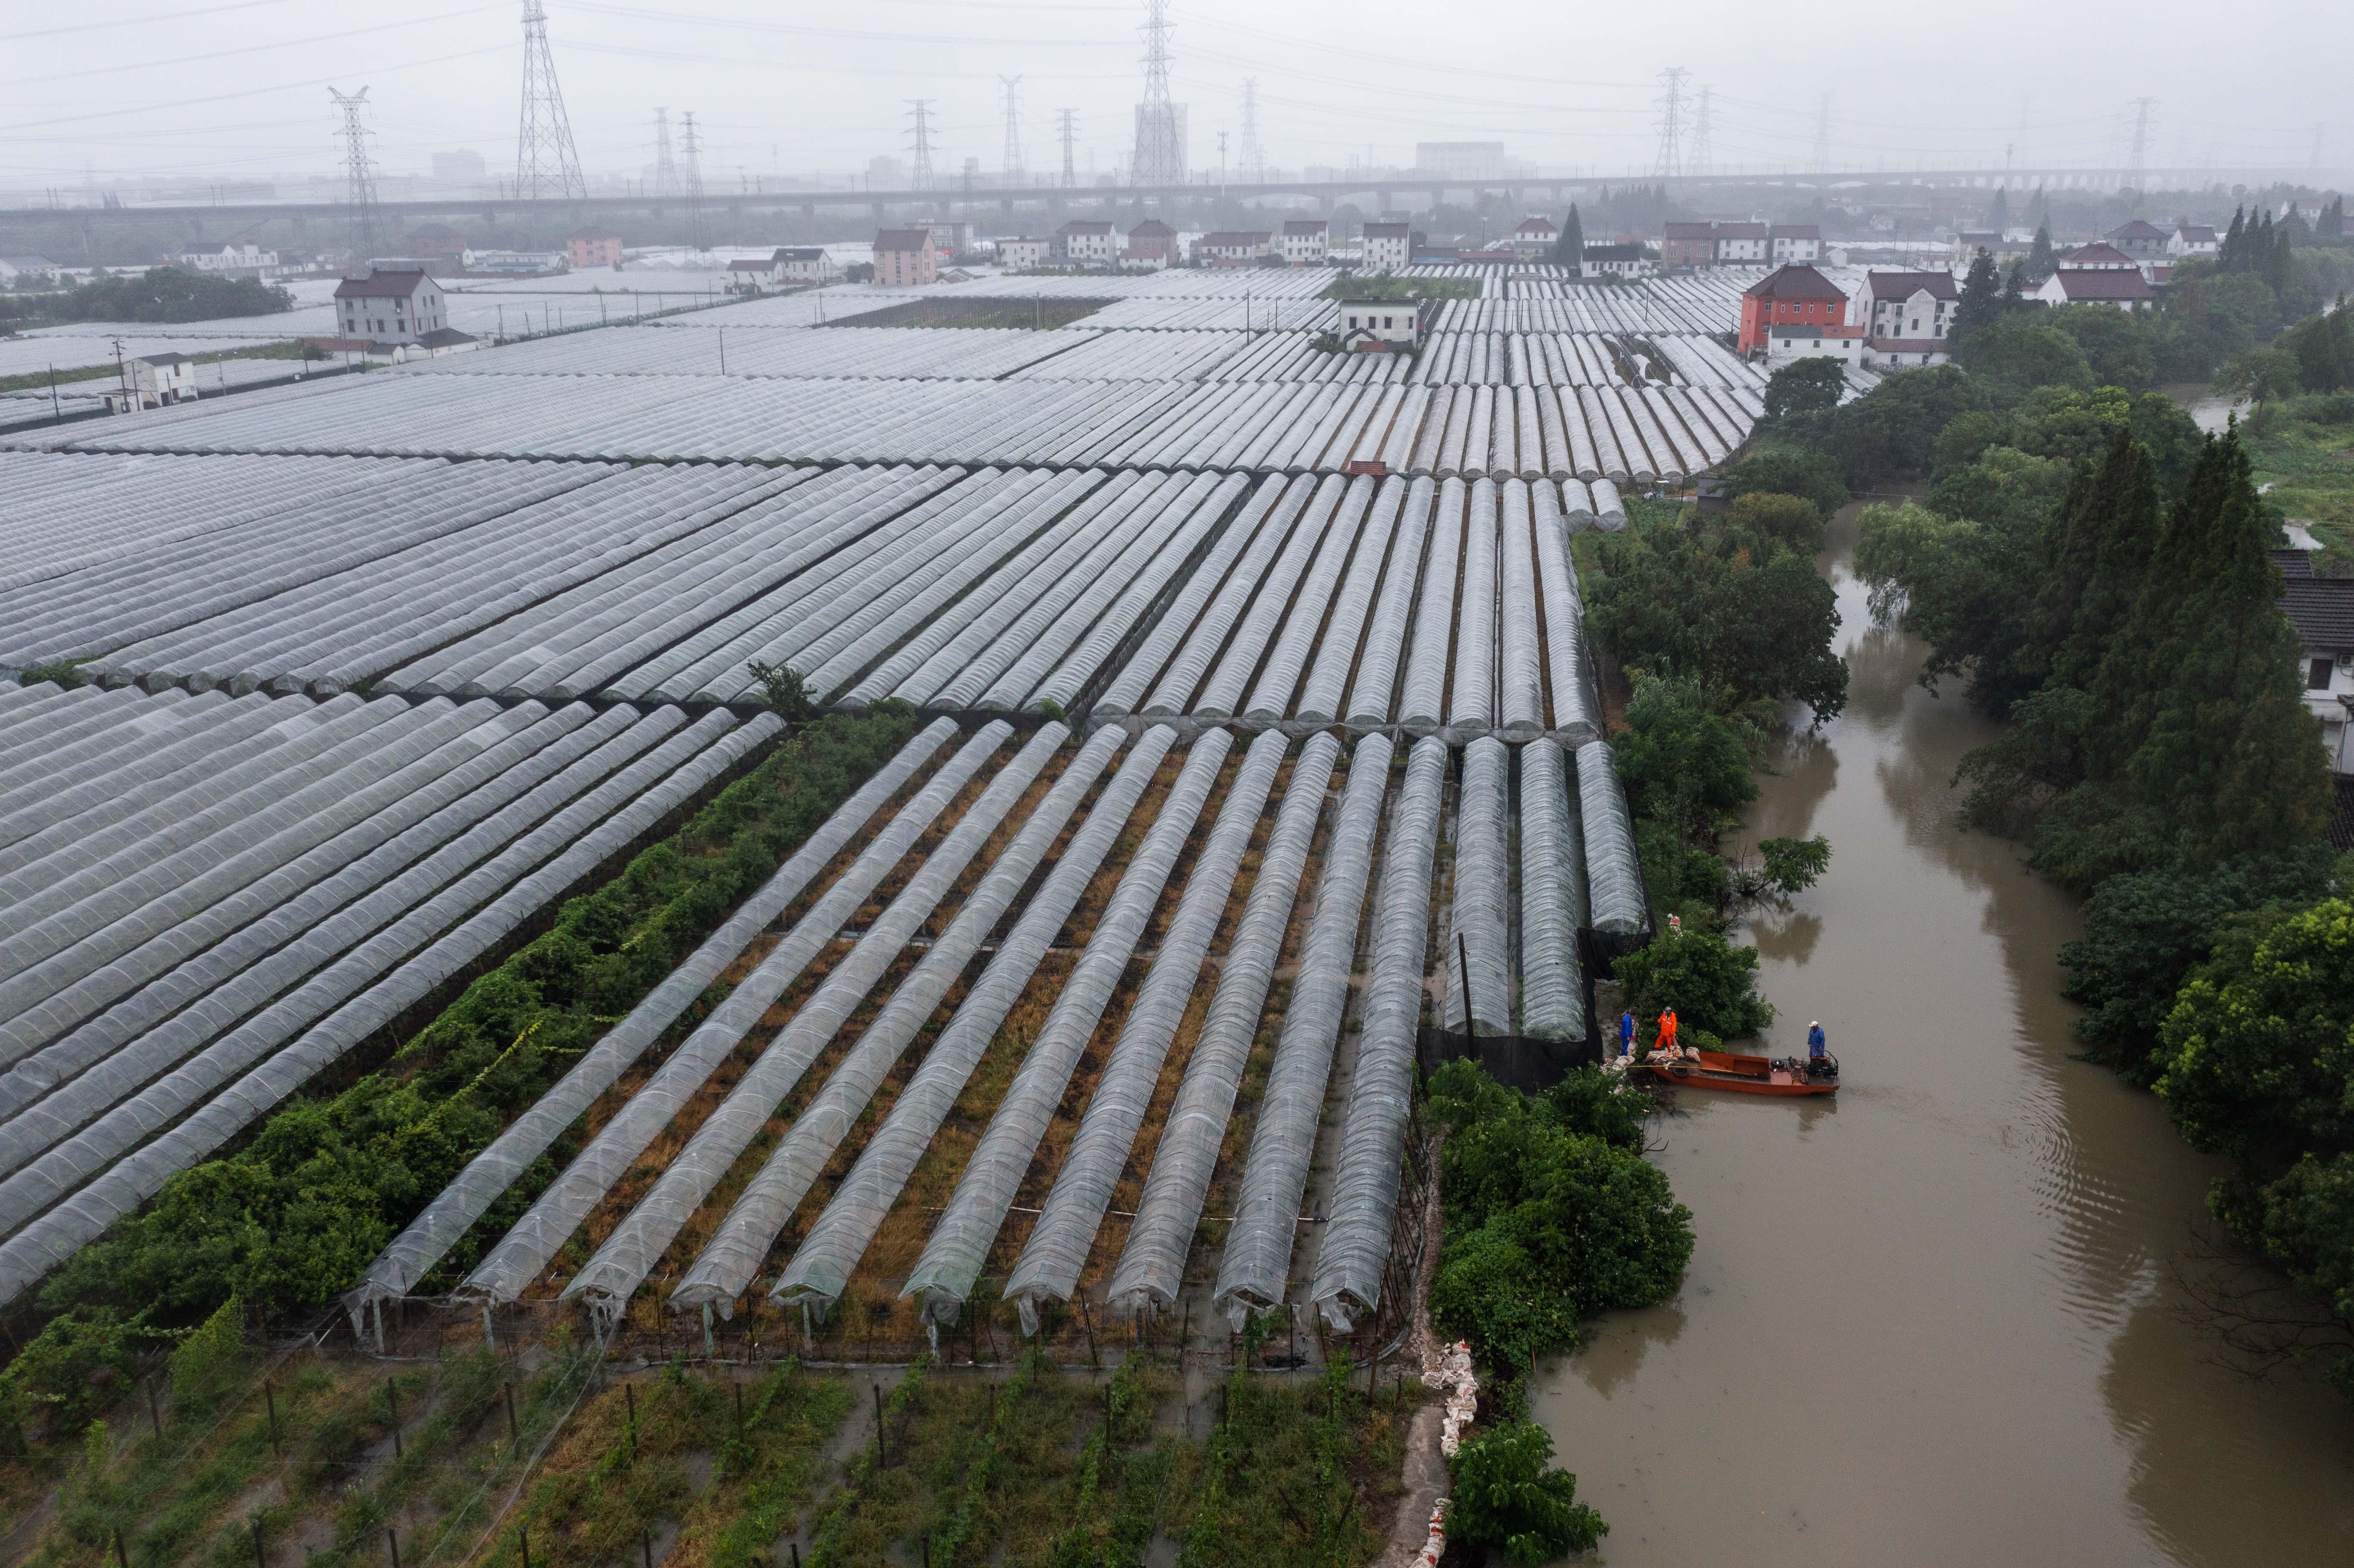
[239, 89]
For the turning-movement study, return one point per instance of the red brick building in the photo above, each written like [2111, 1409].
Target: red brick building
[1794, 296]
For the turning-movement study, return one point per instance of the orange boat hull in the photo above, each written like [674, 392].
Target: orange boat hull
[1737, 1074]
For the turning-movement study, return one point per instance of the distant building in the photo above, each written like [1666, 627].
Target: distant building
[950, 237]
[1087, 241]
[1306, 241]
[1234, 247]
[446, 340]
[1535, 236]
[435, 242]
[19, 270]
[1380, 325]
[804, 264]
[2190, 240]
[393, 307]
[1789, 242]
[905, 256]
[1715, 245]
[2098, 257]
[2322, 611]
[1617, 260]
[585, 247]
[2002, 248]
[1388, 247]
[1788, 296]
[1024, 251]
[1911, 312]
[755, 275]
[234, 261]
[2123, 289]
[1789, 341]
[463, 167]
[154, 381]
[2140, 239]
[1153, 244]
[515, 263]
[1460, 160]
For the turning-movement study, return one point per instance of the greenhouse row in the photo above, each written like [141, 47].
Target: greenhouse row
[210, 899]
[975, 1187]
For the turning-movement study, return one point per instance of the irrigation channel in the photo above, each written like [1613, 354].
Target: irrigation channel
[1938, 1321]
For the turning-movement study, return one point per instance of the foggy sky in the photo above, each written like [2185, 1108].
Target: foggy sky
[186, 89]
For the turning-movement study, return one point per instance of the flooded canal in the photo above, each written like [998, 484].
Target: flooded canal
[1934, 1322]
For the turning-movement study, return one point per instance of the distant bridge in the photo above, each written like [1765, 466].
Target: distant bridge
[946, 201]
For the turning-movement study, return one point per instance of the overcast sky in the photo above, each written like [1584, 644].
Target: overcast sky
[186, 89]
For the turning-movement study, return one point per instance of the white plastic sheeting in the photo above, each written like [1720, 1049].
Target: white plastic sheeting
[944, 1276]
[725, 1270]
[821, 1267]
[1613, 874]
[1575, 713]
[612, 1276]
[1152, 1262]
[525, 1249]
[1553, 983]
[1058, 1243]
[1356, 1246]
[1257, 1257]
[465, 1200]
[1424, 698]
[1475, 931]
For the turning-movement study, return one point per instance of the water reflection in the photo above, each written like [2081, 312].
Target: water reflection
[1935, 1322]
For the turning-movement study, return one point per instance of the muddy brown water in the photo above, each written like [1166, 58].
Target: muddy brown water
[1936, 1321]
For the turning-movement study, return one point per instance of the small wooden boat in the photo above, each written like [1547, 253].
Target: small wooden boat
[1748, 1075]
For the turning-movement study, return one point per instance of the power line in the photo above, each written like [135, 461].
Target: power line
[2141, 106]
[359, 174]
[1012, 170]
[921, 179]
[1160, 157]
[1670, 105]
[546, 162]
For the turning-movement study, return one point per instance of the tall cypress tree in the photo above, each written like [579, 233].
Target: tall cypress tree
[2041, 259]
[2200, 695]
[2096, 557]
[2227, 256]
[1569, 250]
[1981, 299]
[1998, 213]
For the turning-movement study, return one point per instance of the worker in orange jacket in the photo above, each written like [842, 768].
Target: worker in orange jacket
[1666, 1041]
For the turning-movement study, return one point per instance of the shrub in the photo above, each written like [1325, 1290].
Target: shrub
[1708, 979]
[75, 1367]
[1792, 520]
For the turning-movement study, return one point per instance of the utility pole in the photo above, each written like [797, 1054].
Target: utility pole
[1254, 160]
[921, 115]
[2142, 106]
[360, 174]
[665, 169]
[1823, 135]
[1158, 159]
[1070, 131]
[1697, 164]
[547, 164]
[1671, 123]
[1012, 171]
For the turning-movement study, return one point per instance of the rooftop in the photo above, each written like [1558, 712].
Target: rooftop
[1904, 285]
[1796, 280]
[2091, 283]
[2096, 255]
[2322, 611]
[383, 283]
[903, 239]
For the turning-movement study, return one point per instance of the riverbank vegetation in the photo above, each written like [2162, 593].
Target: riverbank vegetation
[158, 295]
[2094, 571]
[293, 1217]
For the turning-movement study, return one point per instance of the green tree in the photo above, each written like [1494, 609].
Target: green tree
[2020, 354]
[1786, 468]
[783, 690]
[1800, 395]
[1893, 427]
[2261, 375]
[1710, 981]
[1962, 585]
[1569, 249]
[1508, 1499]
[2043, 260]
[1981, 301]
[2121, 346]
[1792, 521]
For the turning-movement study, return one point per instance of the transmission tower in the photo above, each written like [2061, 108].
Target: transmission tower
[1823, 135]
[922, 114]
[545, 161]
[665, 167]
[1254, 156]
[1671, 123]
[360, 174]
[2141, 106]
[1012, 172]
[1160, 157]
[2318, 127]
[1697, 164]
[694, 183]
[1068, 132]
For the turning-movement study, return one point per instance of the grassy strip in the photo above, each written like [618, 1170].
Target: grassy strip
[296, 1216]
[2304, 449]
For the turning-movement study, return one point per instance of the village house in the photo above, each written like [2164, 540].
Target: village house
[1380, 325]
[1535, 237]
[1790, 242]
[1306, 241]
[1234, 246]
[1789, 341]
[1788, 296]
[593, 247]
[1087, 241]
[1716, 244]
[435, 242]
[16, 270]
[515, 263]
[154, 381]
[904, 256]
[235, 261]
[1023, 252]
[1906, 316]
[2322, 611]
[756, 276]
[2139, 239]
[1617, 260]
[804, 264]
[1152, 243]
[1388, 247]
[2122, 289]
[390, 306]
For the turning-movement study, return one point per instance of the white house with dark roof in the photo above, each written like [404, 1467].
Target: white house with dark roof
[2119, 289]
[1535, 236]
[804, 264]
[1088, 241]
[1379, 325]
[392, 306]
[1907, 317]
[154, 381]
[2190, 240]
[1794, 242]
[1234, 246]
[1388, 247]
[2140, 239]
[2322, 611]
[1306, 243]
[1021, 251]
